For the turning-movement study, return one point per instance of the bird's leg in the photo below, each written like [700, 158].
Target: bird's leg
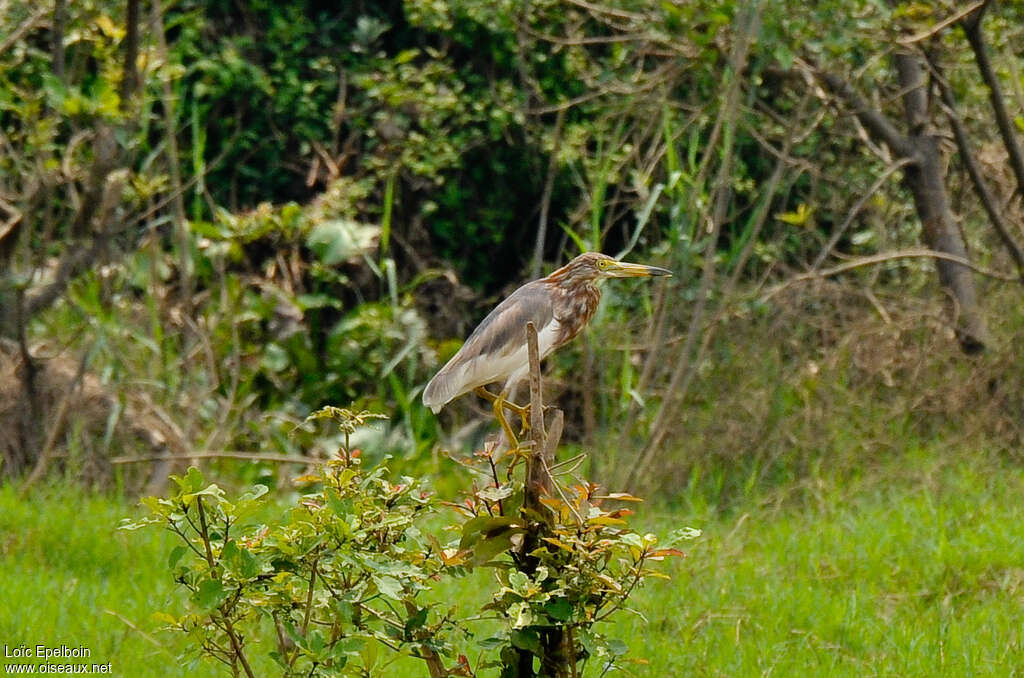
[515, 449]
[499, 404]
[522, 411]
[509, 394]
[499, 412]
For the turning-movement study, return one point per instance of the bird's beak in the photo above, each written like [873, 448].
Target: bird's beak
[624, 269]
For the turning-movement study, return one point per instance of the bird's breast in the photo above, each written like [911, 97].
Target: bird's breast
[574, 309]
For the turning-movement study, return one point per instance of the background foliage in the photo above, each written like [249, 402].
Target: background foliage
[308, 205]
[217, 217]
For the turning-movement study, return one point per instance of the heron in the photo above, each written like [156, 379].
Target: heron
[559, 305]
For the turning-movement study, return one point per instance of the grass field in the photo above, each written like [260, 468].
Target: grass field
[912, 568]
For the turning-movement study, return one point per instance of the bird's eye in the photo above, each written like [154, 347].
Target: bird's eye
[602, 264]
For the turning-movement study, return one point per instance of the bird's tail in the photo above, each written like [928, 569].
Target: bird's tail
[439, 391]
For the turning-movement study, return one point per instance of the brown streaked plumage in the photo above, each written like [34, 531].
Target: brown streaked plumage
[559, 305]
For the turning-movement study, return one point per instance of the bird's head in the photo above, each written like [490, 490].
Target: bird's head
[594, 266]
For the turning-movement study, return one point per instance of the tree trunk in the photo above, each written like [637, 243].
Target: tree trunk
[926, 180]
[925, 177]
[130, 77]
[60, 17]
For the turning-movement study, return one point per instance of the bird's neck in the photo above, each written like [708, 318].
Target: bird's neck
[573, 284]
[579, 298]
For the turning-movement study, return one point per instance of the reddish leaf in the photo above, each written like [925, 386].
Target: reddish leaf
[661, 553]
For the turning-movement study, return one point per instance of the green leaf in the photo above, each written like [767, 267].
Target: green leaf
[526, 639]
[212, 490]
[310, 301]
[176, 553]
[340, 240]
[617, 647]
[416, 621]
[351, 645]
[559, 609]
[862, 237]
[132, 525]
[230, 550]
[389, 197]
[471, 531]
[801, 217]
[484, 527]
[255, 493]
[783, 55]
[250, 566]
[211, 594]
[582, 245]
[342, 507]
[345, 610]
[495, 493]
[518, 581]
[316, 642]
[293, 633]
[164, 618]
[683, 533]
[194, 479]
[388, 586]
[275, 358]
[492, 643]
[249, 503]
[406, 55]
[191, 481]
[487, 550]
[240, 561]
[632, 539]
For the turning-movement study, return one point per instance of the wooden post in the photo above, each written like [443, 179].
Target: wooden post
[543, 445]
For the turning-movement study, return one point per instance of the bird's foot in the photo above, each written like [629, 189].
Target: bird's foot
[500, 404]
[523, 411]
[518, 453]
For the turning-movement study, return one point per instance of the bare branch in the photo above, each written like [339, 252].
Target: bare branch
[963, 145]
[972, 27]
[913, 91]
[545, 205]
[874, 120]
[78, 258]
[873, 259]
[747, 25]
[27, 25]
[213, 454]
[948, 21]
[181, 225]
[610, 11]
[590, 40]
[838, 233]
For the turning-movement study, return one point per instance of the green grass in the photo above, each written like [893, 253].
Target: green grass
[912, 569]
[69, 576]
[917, 571]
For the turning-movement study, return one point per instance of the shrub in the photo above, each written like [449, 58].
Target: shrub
[343, 574]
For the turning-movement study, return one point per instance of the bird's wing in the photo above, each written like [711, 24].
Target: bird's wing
[497, 347]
